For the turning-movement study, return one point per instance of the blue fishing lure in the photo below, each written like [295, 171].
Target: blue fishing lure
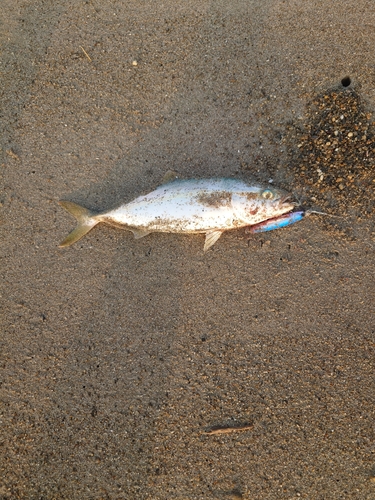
[277, 222]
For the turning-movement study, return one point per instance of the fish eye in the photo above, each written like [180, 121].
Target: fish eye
[267, 194]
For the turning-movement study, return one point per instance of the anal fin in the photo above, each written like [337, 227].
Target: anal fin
[139, 233]
[211, 238]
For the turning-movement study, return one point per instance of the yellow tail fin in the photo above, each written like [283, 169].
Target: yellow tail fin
[85, 218]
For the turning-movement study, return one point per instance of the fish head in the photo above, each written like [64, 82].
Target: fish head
[275, 202]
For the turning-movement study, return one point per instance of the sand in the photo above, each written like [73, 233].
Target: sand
[120, 356]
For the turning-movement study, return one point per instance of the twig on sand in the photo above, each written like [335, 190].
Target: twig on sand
[227, 430]
[86, 54]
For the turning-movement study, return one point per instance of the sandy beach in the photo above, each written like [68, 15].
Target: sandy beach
[146, 369]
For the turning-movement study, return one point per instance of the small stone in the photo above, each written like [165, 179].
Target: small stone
[341, 186]
[135, 63]
[350, 134]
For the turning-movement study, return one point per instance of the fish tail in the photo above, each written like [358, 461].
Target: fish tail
[85, 218]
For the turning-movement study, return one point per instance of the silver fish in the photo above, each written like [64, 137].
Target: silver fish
[209, 206]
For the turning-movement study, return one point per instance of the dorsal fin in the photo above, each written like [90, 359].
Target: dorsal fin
[169, 176]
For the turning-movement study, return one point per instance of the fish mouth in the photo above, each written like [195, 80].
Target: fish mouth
[285, 198]
[286, 203]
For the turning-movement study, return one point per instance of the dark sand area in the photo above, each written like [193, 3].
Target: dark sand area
[118, 355]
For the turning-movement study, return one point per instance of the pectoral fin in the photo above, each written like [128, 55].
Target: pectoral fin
[211, 238]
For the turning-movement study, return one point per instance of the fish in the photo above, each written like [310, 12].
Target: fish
[187, 206]
[277, 222]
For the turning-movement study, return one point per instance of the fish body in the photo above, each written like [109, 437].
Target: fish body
[277, 222]
[209, 206]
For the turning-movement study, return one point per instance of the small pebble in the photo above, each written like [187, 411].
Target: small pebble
[350, 134]
[134, 63]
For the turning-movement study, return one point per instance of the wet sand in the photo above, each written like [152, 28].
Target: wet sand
[119, 356]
